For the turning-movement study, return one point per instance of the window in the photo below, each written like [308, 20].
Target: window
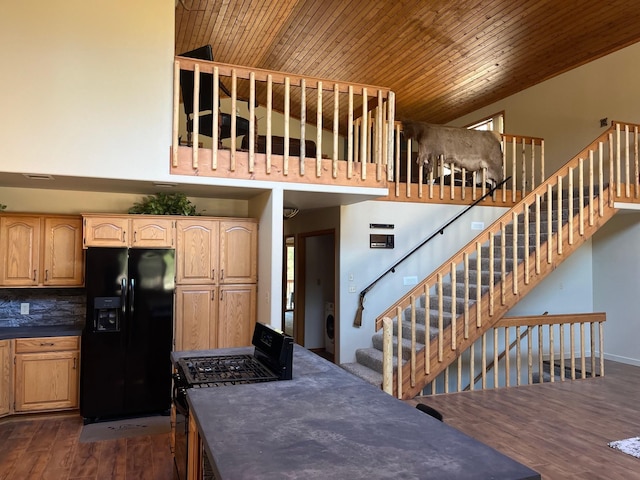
[494, 122]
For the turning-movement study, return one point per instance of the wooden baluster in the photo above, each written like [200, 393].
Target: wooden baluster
[591, 188]
[504, 170]
[559, 214]
[484, 361]
[581, 196]
[252, 121]
[336, 131]
[570, 205]
[552, 360]
[601, 180]
[446, 379]
[463, 186]
[452, 185]
[409, 162]
[491, 273]
[363, 133]
[636, 176]
[215, 117]
[611, 171]
[601, 338]
[459, 379]
[441, 171]
[196, 117]
[518, 356]
[474, 193]
[431, 183]
[318, 132]
[583, 362]
[472, 367]
[234, 109]
[514, 255]
[351, 136]
[397, 159]
[562, 374]
[540, 353]
[507, 360]
[391, 114]
[303, 127]
[412, 300]
[530, 354]
[538, 253]
[592, 337]
[440, 318]
[287, 116]
[479, 285]
[454, 315]
[627, 183]
[503, 267]
[399, 364]
[542, 177]
[526, 243]
[572, 345]
[496, 383]
[379, 132]
[533, 165]
[513, 171]
[427, 332]
[549, 224]
[268, 150]
[387, 351]
[465, 262]
[618, 160]
[175, 141]
[524, 169]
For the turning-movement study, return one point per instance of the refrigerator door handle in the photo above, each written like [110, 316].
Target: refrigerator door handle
[132, 284]
[123, 296]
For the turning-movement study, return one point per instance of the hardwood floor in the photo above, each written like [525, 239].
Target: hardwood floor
[559, 430]
[47, 448]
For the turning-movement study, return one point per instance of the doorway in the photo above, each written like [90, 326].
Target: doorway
[288, 287]
[315, 323]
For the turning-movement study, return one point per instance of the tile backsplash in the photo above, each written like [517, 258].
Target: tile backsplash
[58, 306]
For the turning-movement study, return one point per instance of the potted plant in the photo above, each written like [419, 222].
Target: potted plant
[164, 204]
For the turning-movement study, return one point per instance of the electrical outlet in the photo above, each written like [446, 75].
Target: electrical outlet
[477, 225]
[24, 309]
[352, 289]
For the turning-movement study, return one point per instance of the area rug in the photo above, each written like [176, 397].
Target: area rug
[131, 427]
[630, 446]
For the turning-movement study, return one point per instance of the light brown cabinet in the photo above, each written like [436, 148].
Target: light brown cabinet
[210, 316]
[46, 373]
[146, 231]
[5, 377]
[41, 250]
[216, 275]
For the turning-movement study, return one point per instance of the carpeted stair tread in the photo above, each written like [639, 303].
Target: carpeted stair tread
[372, 358]
[378, 340]
[363, 372]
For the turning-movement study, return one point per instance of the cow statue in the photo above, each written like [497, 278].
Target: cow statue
[469, 149]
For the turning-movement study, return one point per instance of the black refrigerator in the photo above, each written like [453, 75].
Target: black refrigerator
[127, 339]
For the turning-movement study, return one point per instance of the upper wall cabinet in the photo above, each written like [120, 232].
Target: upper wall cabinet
[41, 250]
[146, 231]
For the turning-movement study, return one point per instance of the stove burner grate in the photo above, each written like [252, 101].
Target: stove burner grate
[225, 370]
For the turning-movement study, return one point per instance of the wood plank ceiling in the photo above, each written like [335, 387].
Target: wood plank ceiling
[443, 58]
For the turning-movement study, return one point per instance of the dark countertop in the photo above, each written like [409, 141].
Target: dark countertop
[7, 333]
[327, 423]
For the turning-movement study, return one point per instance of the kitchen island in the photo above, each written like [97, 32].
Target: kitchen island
[326, 423]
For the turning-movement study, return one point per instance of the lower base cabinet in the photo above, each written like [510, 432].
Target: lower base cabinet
[46, 374]
[5, 376]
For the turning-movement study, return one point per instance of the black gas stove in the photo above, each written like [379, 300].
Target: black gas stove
[272, 360]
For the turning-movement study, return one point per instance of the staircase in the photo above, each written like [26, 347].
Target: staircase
[475, 288]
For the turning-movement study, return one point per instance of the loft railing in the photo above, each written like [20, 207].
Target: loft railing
[523, 162]
[284, 113]
[528, 350]
[471, 292]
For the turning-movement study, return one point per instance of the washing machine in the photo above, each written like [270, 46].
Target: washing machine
[329, 327]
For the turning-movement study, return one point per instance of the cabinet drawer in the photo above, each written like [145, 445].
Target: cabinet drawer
[46, 344]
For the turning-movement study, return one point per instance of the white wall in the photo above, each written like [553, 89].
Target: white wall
[412, 223]
[616, 278]
[86, 87]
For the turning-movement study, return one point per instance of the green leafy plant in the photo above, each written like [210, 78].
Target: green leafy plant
[164, 204]
[2, 206]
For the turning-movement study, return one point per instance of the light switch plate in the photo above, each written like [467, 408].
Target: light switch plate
[24, 309]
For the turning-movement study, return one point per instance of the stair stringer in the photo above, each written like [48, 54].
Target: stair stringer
[479, 324]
